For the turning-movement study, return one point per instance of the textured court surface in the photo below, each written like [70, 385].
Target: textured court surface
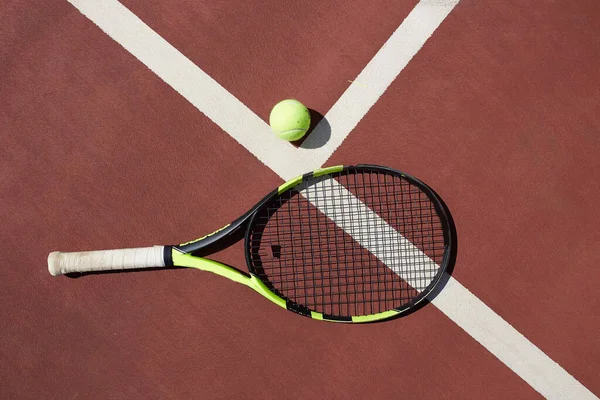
[498, 111]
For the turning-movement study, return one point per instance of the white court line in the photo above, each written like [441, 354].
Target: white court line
[379, 73]
[225, 110]
[355, 218]
[193, 84]
[457, 302]
[512, 348]
[460, 305]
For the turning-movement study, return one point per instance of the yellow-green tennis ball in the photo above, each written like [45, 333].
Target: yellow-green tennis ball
[289, 119]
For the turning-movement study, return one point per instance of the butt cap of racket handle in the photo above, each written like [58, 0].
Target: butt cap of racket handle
[105, 260]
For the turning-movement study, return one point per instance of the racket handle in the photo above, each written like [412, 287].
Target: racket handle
[105, 260]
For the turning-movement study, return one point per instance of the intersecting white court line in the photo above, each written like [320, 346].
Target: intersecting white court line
[378, 74]
[237, 120]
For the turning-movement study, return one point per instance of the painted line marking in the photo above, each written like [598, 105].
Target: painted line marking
[379, 74]
[202, 91]
[512, 348]
[457, 302]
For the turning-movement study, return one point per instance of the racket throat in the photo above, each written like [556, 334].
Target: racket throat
[178, 259]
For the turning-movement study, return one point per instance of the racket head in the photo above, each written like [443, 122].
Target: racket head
[350, 243]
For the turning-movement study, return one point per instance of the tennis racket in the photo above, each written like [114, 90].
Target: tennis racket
[345, 244]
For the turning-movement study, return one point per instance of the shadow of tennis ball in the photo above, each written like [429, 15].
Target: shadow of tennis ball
[318, 133]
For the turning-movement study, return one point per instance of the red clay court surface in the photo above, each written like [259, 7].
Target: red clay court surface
[498, 112]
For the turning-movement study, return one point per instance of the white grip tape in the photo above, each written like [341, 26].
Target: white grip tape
[105, 260]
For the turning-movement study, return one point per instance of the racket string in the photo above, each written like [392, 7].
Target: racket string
[311, 247]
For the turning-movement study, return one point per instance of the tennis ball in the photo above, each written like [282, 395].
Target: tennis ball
[289, 119]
